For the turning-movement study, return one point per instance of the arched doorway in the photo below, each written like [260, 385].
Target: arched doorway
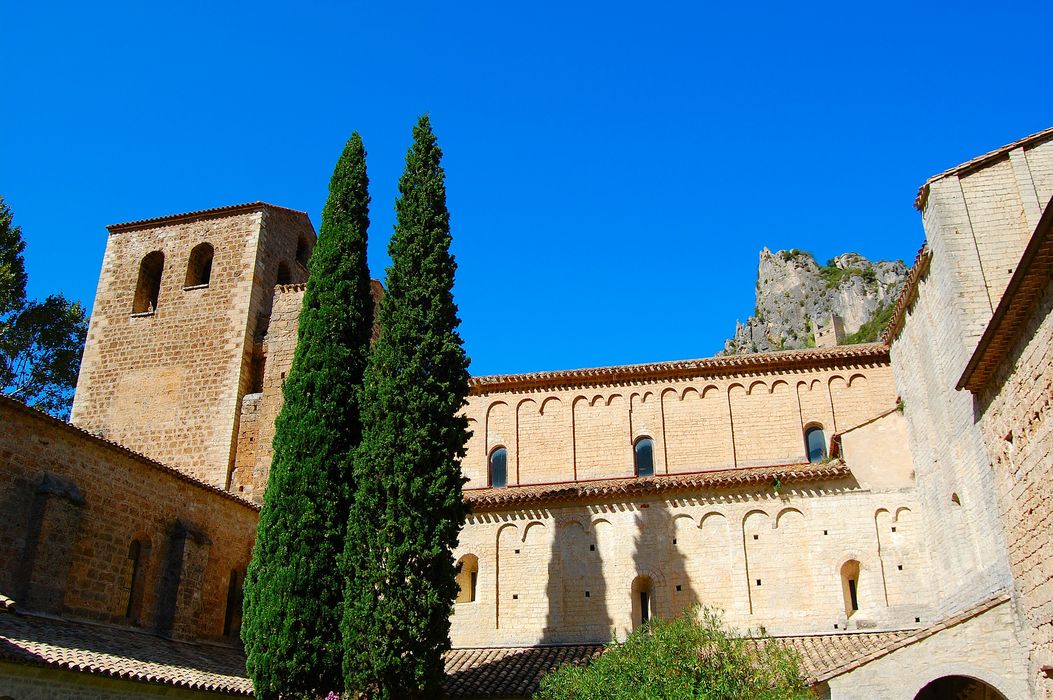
[958, 688]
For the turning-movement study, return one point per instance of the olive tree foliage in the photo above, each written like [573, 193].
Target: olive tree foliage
[692, 657]
[40, 341]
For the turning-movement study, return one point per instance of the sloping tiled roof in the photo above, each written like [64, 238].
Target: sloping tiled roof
[1010, 317]
[494, 499]
[979, 161]
[215, 212]
[122, 653]
[908, 295]
[478, 672]
[722, 365]
[6, 604]
[9, 403]
[508, 671]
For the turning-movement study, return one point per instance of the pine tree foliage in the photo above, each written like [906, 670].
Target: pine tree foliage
[409, 509]
[293, 593]
[40, 341]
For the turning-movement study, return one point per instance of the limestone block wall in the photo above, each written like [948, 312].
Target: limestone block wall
[168, 382]
[279, 346]
[980, 220]
[568, 433]
[977, 223]
[71, 507]
[987, 647]
[1017, 423]
[573, 572]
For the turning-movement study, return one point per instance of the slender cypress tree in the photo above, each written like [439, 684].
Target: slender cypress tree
[293, 593]
[409, 510]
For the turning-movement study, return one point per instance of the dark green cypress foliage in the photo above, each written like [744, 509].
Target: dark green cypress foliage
[409, 509]
[293, 590]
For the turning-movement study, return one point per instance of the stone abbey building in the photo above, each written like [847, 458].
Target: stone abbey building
[884, 508]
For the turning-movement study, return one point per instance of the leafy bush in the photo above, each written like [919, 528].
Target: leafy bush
[689, 657]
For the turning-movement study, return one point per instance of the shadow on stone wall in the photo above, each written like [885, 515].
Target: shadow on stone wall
[660, 579]
[577, 588]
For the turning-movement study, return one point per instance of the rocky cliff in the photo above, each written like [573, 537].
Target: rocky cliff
[797, 299]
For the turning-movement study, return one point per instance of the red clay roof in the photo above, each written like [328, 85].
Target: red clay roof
[7, 402]
[978, 162]
[122, 653]
[515, 496]
[472, 672]
[6, 604]
[215, 212]
[908, 295]
[869, 353]
[1026, 286]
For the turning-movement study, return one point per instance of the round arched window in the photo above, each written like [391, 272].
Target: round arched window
[815, 440]
[644, 456]
[499, 468]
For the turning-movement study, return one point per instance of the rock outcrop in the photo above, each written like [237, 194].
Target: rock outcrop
[797, 299]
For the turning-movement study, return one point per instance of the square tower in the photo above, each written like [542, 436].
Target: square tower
[174, 341]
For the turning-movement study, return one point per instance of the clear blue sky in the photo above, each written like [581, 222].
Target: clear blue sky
[613, 169]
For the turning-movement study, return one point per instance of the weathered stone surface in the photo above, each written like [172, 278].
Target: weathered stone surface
[796, 297]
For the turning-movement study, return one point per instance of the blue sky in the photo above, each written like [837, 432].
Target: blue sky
[613, 169]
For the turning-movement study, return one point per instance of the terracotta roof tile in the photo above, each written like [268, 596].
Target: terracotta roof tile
[514, 496]
[122, 653]
[978, 162]
[6, 604]
[516, 671]
[723, 365]
[215, 212]
[908, 295]
[9, 403]
[508, 671]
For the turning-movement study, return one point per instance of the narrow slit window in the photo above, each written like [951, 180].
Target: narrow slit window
[815, 439]
[467, 579]
[644, 457]
[850, 586]
[499, 468]
[303, 252]
[235, 595]
[284, 276]
[148, 288]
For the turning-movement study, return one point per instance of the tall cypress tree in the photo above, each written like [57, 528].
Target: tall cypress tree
[409, 509]
[293, 593]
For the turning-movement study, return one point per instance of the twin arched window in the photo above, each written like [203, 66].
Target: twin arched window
[498, 468]
[643, 457]
[815, 441]
[199, 268]
[148, 287]
[151, 268]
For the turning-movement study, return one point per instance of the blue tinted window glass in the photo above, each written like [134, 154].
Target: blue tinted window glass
[498, 468]
[644, 457]
[816, 444]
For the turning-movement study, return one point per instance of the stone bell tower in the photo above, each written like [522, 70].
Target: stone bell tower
[173, 344]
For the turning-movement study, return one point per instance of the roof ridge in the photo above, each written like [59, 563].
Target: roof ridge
[723, 364]
[200, 214]
[36, 413]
